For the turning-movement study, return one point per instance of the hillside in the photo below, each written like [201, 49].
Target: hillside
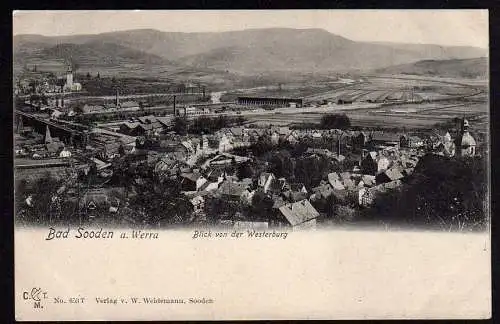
[465, 68]
[246, 52]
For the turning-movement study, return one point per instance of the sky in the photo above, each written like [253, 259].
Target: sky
[442, 27]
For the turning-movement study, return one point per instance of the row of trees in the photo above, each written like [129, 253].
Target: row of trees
[205, 125]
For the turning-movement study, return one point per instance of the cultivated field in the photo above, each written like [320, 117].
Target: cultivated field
[394, 104]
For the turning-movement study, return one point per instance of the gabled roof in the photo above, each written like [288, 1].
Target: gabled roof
[236, 131]
[266, 175]
[299, 212]
[234, 189]
[368, 180]
[192, 176]
[394, 174]
[333, 176]
[130, 125]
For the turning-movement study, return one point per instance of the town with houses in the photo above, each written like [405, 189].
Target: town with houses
[219, 178]
[92, 150]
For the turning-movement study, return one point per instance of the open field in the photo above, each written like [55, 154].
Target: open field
[410, 116]
[370, 89]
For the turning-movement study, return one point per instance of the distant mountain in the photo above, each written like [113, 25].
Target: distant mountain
[92, 53]
[464, 68]
[248, 52]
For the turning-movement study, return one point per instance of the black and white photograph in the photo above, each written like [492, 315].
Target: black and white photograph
[260, 122]
[267, 127]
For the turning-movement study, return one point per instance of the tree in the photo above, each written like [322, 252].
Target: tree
[88, 76]
[245, 170]
[442, 192]
[337, 121]
[262, 206]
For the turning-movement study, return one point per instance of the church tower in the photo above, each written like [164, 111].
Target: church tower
[69, 77]
[466, 143]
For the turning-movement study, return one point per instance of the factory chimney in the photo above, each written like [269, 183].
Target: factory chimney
[175, 110]
[117, 99]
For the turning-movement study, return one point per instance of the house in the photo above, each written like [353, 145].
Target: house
[234, 191]
[297, 187]
[367, 196]
[408, 141]
[224, 159]
[293, 196]
[389, 175]
[92, 109]
[278, 186]
[274, 136]
[129, 128]
[214, 178]
[225, 143]
[379, 138]
[344, 100]
[198, 202]
[368, 180]
[247, 195]
[292, 138]
[243, 225]
[94, 200]
[255, 134]
[167, 165]
[283, 132]
[299, 215]
[265, 180]
[360, 139]
[335, 181]
[321, 192]
[192, 181]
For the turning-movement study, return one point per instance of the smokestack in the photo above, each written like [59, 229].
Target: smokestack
[175, 111]
[117, 99]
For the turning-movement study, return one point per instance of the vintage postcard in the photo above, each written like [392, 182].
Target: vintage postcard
[265, 164]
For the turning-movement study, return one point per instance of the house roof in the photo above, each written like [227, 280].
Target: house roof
[384, 187]
[385, 137]
[277, 185]
[393, 174]
[234, 189]
[213, 174]
[368, 180]
[333, 176]
[237, 131]
[299, 212]
[266, 175]
[193, 176]
[296, 186]
[130, 125]
[294, 195]
[324, 190]
[468, 140]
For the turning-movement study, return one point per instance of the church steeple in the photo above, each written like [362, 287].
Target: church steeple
[48, 137]
[466, 141]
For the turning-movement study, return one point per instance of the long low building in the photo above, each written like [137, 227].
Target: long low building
[273, 102]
